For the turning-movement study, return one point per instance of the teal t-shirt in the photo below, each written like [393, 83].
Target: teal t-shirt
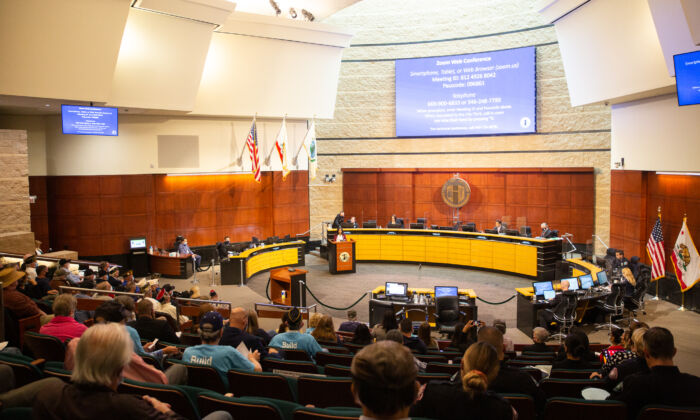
[294, 340]
[138, 348]
[221, 358]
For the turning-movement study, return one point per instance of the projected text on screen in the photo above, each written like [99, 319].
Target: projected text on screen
[484, 93]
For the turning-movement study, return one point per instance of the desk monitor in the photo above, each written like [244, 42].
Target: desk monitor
[394, 226]
[491, 231]
[549, 294]
[422, 220]
[525, 231]
[137, 243]
[586, 281]
[602, 278]
[395, 289]
[573, 283]
[441, 291]
[369, 225]
[468, 228]
[512, 232]
[541, 287]
[347, 225]
[416, 226]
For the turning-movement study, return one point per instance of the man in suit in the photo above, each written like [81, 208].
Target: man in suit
[664, 384]
[546, 231]
[500, 227]
[150, 328]
[222, 247]
[340, 218]
[353, 221]
[184, 249]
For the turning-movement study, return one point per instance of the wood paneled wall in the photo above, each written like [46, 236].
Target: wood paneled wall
[96, 215]
[564, 197]
[634, 200]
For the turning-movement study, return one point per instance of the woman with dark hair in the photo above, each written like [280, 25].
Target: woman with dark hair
[388, 323]
[424, 335]
[576, 351]
[362, 335]
[254, 328]
[464, 335]
[619, 350]
[468, 399]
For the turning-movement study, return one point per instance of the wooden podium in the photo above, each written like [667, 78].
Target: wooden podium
[341, 256]
[281, 279]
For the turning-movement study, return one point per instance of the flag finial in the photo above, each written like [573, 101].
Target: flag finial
[659, 211]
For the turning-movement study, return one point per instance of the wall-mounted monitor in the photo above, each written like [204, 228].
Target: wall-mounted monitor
[137, 243]
[441, 291]
[460, 95]
[90, 120]
[687, 77]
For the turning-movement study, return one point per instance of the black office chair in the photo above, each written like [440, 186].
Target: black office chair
[636, 301]
[564, 314]
[447, 313]
[422, 220]
[613, 306]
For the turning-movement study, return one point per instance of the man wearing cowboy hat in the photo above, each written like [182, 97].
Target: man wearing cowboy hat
[17, 302]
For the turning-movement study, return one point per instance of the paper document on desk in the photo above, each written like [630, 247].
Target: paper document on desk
[547, 369]
[242, 349]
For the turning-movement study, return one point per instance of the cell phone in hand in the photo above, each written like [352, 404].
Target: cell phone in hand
[153, 345]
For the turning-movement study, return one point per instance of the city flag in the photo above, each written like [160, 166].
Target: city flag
[655, 249]
[252, 143]
[310, 147]
[281, 145]
[686, 260]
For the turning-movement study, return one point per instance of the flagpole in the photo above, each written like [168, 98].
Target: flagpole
[657, 280]
[682, 308]
[239, 161]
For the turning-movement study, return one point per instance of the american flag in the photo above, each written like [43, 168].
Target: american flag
[252, 142]
[655, 249]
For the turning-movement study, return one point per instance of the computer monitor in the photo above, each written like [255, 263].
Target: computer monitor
[491, 231]
[416, 226]
[586, 281]
[602, 278]
[347, 225]
[369, 225]
[469, 228]
[512, 232]
[525, 231]
[441, 291]
[573, 283]
[395, 289]
[422, 220]
[549, 294]
[137, 243]
[394, 226]
[542, 286]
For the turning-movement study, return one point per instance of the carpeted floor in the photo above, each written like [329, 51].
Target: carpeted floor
[342, 290]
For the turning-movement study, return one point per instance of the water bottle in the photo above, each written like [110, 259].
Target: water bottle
[150, 249]
[284, 295]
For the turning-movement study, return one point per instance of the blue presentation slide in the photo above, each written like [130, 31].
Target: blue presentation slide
[688, 78]
[484, 93]
[90, 120]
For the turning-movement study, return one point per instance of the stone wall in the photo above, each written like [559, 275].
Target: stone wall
[362, 134]
[15, 224]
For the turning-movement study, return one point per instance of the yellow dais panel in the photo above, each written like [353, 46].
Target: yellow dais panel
[482, 253]
[526, 260]
[414, 248]
[436, 250]
[504, 256]
[392, 248]
[271, 259]
[367, 247]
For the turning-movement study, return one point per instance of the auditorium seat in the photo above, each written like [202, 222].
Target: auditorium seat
[580, 409]
[539, 360]
[189, 339]
[20, 413]
[571, 373]
[239, 407]
[203, 377]
[337, 349]
[424, 378]
[44, 346]
[525, 363]
[57, 372]
[570, 388]
[665, 412]
[323, 358]
[336, 413]
[300, 355]
[269, 364]
[428, 358]
[325, 391]
[243, 383]
[152, 361]
[179, 400]
[354, 348]
[523, 404]
[435, 367]
[25, 369]
[337, 370]
[534, 372]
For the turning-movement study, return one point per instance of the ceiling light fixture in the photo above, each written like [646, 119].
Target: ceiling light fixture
[274, 5]
[307, 15]
[292, 13]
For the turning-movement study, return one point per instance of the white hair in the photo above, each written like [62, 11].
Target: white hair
[541, 334]
[103, 351]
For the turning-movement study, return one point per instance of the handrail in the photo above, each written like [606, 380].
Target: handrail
[98, 291]
[203, 301]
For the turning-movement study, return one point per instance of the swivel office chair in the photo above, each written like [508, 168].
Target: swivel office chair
[447, 313]
[635, 302]
[564, 314]
[613, 306]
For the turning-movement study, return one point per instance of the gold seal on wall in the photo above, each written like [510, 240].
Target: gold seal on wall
[456, 192]
[344, 256]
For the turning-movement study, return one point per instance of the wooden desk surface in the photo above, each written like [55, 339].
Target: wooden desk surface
[247, 252]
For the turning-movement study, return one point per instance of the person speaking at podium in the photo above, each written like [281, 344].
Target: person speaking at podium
[340, 236]
[340, 218]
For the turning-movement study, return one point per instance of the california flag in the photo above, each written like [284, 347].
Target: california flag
[686, 260]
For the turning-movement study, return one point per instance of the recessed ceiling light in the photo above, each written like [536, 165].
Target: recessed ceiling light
[47, 105]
